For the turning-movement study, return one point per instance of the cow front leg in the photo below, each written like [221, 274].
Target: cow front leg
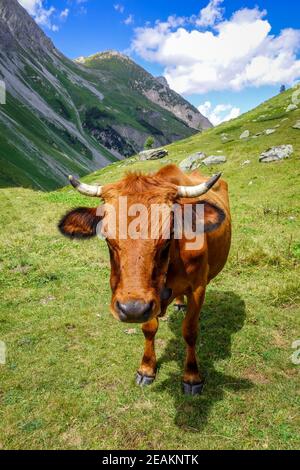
[192, 381]
[147, 371]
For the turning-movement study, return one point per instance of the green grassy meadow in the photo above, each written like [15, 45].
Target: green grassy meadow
[68, 382]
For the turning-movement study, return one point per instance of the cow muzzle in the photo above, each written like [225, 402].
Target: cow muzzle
[135, 311]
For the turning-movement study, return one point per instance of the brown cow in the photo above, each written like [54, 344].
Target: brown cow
[148, 274]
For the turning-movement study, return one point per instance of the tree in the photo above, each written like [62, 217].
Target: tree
[282, 89]
[148, 145]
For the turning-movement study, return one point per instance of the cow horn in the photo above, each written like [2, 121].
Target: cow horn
[200, 189]
[86, 189]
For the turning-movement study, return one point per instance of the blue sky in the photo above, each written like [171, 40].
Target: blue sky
[225, 56]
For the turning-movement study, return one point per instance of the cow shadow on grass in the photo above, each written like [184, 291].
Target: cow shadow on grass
[223, 315]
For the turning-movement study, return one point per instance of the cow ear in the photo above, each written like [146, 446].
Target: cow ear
[80, 223]
[214, 216]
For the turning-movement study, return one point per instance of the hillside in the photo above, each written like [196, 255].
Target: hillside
[69, 377]
[64, 117]
[123, 75]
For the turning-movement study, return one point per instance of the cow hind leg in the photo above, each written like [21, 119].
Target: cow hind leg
[147, 371]
[192, 381]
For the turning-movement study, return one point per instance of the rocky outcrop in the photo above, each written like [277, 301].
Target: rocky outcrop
[214, 160]
[192, 162]
[225, 138]
[154, 154]
[270, 131]
[171, 101]
[245, 135]
[296, 125]
[276, 154]
[196, 160]
[291, 107]
[163, 81]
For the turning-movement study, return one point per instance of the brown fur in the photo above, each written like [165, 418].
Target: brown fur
[140, 269]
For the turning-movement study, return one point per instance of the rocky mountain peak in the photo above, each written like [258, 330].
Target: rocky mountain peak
[163, 81]
[16, 25]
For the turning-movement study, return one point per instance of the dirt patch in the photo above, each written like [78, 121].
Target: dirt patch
[255, 376]
[72, 438]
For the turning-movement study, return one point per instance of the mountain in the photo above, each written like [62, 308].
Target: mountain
[66, 117]
[127, 76]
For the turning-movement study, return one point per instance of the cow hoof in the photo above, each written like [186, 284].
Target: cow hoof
[180, 308]
[144, 380]
[193, 389]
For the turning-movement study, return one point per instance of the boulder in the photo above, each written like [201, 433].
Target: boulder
[270, 131]
[245, 135]
[225, 138]
[297, 125]
[276, 154]
[192, 162]
[291, 107]
[153, 154]
[214, 160]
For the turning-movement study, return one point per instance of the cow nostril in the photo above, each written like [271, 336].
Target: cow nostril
[137, 311]
[148, 308]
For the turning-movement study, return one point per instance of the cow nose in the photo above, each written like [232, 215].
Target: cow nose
[135, 311]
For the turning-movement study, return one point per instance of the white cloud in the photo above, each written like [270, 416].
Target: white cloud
[46, 16]
[219, 114]
[64, 14]
[229, 54]
[212, 13]
[41, 14]
[119, 8]
[129, 20]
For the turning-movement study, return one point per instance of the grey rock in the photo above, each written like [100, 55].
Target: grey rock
[291, 107]
[246, 162]
[276, 154]
[192, 162]
[270, 131]
[214, 160]
[163, 81]
[153, 154]
[245, 135]
[225, 138]
[297, 125]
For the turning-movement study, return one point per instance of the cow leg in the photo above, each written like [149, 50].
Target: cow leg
[192, 381]
[179, 305]
[147, 371]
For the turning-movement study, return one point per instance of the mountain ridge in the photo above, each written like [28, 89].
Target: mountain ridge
[156, 89]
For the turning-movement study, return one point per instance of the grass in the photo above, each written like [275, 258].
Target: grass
[69, 377]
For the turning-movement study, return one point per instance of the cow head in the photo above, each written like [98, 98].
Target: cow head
[139, 244]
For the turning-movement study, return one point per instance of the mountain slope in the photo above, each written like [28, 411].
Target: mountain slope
[225, 140]
[126, 75]
[63, 117]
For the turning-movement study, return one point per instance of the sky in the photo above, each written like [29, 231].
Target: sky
[224, 56]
